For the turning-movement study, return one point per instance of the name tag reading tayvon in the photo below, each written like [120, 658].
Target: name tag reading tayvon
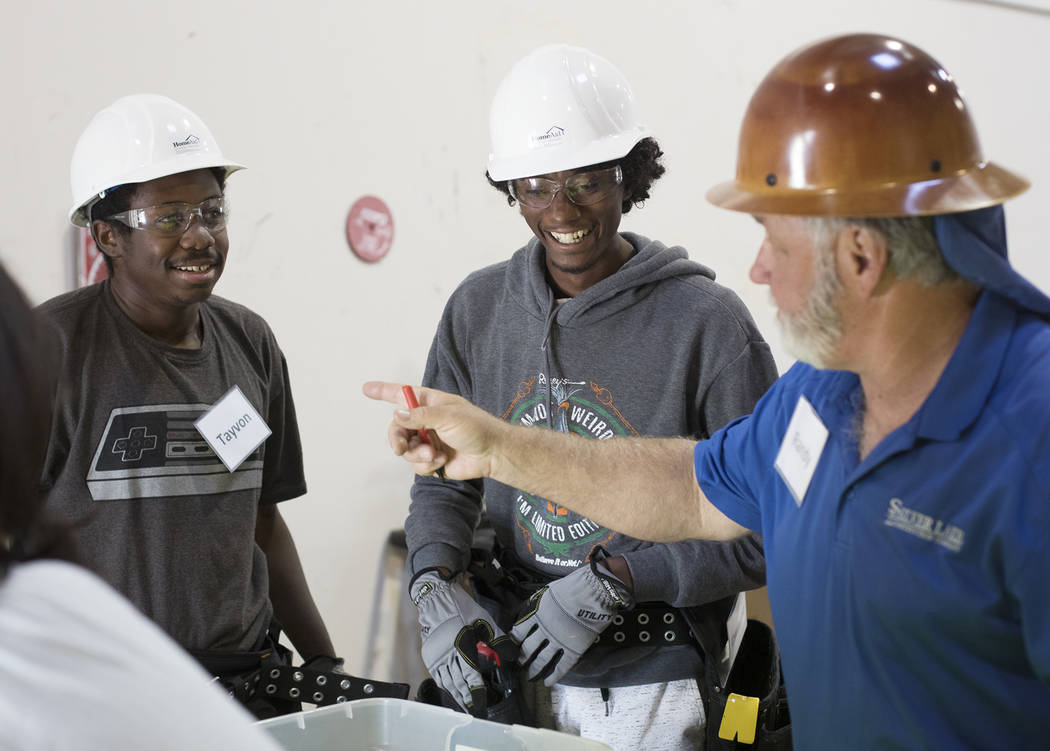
[800, 451]
[232, 428]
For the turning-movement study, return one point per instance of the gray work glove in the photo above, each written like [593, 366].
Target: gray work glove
[566, 617]
[452, 623]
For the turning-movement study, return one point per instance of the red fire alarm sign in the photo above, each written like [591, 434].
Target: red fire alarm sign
[369, 229]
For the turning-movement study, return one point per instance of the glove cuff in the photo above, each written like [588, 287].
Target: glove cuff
[424, 582]
[324, 663]
[435, 570]
[614, 588]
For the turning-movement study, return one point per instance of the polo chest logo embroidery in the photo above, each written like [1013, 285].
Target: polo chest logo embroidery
[921, 525]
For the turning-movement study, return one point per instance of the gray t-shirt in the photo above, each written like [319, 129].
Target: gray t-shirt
[155, 512]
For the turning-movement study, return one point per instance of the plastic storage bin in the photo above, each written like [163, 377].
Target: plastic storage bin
[400, 725]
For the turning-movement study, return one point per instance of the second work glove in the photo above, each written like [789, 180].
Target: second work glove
[452, 623]
[565, 618]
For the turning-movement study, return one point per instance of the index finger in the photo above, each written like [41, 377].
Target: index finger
[384, 391]
[388, 391]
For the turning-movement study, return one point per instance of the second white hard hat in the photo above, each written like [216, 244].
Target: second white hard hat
[559, 108]
[136, 139]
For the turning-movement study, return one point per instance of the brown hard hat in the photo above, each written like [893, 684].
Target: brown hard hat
[861, 125]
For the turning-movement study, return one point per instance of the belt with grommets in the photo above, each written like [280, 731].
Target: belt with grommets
[650, 624]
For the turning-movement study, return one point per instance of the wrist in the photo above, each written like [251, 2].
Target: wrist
[497, 466]
[618, 567]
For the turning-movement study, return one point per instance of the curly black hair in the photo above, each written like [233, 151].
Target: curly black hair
[641, 168]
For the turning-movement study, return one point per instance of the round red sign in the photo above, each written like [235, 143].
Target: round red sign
[369, 229]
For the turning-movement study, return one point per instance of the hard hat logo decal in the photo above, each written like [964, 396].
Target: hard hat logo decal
[189, 143]
[551, 136]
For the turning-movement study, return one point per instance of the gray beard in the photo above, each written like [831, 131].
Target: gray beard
[811, 334]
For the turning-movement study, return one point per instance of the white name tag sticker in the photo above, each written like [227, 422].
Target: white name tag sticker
[800, 451]
[232, 428]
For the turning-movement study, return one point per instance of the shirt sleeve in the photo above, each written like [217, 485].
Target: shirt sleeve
[696, 572]
[283, 474]
[442, 514]
[733, 464]
[735, 468]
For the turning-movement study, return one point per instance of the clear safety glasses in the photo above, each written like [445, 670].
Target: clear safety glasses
[172, 219]
[583, 188]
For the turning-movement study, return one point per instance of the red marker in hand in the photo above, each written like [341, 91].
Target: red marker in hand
[410, 397]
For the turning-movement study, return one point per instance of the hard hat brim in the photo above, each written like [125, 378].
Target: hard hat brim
[986, 185]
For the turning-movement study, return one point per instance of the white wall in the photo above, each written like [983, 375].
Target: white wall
[327, 101]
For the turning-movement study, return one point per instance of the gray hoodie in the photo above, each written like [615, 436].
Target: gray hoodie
[657, 348]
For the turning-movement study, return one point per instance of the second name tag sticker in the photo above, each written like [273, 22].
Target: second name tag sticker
[232, 428]
[800, 451]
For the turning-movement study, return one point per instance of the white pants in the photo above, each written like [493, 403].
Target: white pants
[665, 716]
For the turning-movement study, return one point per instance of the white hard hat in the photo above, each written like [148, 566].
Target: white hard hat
[560, 108]
[136, 139]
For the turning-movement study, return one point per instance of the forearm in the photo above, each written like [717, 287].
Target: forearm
[442, 516]
[642, 487]
[293, 604]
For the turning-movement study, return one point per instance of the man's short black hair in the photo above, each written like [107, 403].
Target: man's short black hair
[641, 168]
[118, 199]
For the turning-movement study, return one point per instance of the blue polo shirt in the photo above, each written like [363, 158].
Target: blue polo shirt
[910, 591]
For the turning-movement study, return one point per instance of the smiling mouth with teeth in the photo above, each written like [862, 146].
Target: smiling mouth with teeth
[571, 237]
[203, 267]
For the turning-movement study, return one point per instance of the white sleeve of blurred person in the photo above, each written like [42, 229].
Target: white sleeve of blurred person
[601, 480]
[81, 668]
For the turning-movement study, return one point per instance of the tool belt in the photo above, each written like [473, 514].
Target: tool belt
[750, 710]
[267, 684]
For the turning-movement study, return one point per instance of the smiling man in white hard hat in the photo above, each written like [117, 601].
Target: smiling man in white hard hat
[175, 433]
[597, 332]
[900, 477]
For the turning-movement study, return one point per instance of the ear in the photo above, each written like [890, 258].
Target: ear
[862, 258]
[628, 191]
[106, 238]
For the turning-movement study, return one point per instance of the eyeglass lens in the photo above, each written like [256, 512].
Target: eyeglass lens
[171, 219]
[583, 188]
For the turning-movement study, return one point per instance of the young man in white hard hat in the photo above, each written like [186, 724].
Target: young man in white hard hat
[900, 477]
[591, 331]
[175, 433]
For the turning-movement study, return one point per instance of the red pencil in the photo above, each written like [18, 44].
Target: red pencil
[410, 397]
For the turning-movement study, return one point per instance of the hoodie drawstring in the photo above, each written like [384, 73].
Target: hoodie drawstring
[545, 349]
